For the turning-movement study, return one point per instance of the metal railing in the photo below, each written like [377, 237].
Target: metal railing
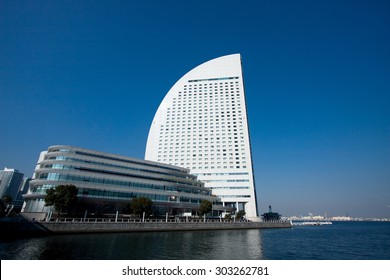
[125, 220]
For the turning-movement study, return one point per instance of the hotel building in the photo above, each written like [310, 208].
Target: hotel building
[202, 125]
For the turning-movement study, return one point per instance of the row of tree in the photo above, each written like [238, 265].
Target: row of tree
[64, 198]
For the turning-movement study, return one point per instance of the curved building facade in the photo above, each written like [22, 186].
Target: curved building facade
[202, 125]
[108, 182]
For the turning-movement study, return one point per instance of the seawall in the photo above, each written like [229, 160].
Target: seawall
[100, 227]
[22, 226]
[19, 226]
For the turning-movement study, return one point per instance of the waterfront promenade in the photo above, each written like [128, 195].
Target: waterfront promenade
[89, 226]
[80, 225]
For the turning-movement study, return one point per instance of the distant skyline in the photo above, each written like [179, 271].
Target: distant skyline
[317, 78]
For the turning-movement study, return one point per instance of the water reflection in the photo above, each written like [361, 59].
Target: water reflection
[198, 245]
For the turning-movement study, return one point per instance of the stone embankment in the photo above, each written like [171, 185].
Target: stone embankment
[74, 226]
[21, 226]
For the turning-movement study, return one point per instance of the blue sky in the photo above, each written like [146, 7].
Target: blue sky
[317, 76]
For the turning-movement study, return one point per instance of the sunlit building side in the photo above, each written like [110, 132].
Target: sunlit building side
[202, 124]
[107, 183]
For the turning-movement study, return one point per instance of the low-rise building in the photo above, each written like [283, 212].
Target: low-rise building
[106, 183]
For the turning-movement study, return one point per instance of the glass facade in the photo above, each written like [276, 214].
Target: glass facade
[112, 180]
[10, 182]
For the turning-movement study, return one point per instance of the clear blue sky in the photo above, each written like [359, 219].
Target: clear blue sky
[317, 75]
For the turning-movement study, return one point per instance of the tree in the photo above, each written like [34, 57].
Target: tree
[205, 207]
[140, 205]
[240, 214]
[228, 217]
[62, 197]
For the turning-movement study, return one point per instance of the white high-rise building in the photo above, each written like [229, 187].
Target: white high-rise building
[202, 125]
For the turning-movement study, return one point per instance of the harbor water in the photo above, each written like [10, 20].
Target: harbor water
[339, 241]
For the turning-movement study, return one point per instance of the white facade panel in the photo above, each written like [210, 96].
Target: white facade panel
[201, 124]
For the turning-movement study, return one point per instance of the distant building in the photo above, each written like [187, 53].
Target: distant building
[271, 216]
[18, 203]
[107, 183]
[341, 218]
[10, 182]
[202, 125]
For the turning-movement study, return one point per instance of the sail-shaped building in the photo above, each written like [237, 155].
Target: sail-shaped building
[202, 125]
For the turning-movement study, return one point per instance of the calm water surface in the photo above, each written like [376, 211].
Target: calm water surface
[342, 240]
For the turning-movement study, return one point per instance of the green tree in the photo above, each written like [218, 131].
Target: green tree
[240, 214]
[205, 207]
[228, 217]
[62, 197]
[140, 205]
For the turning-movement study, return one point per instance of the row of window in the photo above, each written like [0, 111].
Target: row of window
[229, 181]
[186, 165]
[147, 176]
[127, 184]
[206, 157]
[203, 147]
[208, 95]
[199, 154]
[212, 96]
[187, 113]
[215, 143]
[208, 142]
[212, 120]
[213, 151]
[226, 134]
[221, 174]
[193, 135]
[201, 132]
[108, 157]
[171, 129]
[210, 106]
[102, 193]
[198, 99]
[104, 164]
[217, 120]
[194, 166]
[130, 195]
[229, 188]
[204, 117]
[210, 91]
[218, 107]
